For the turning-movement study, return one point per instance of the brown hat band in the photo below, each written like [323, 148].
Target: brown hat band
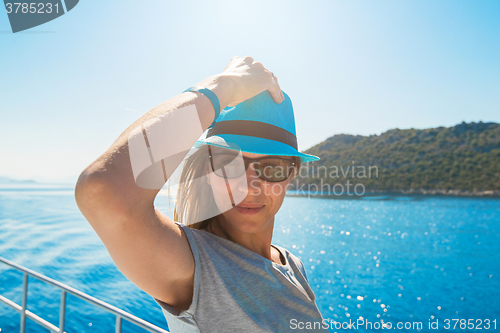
[254, 128]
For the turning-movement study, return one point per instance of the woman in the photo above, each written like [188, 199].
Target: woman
[222, 274]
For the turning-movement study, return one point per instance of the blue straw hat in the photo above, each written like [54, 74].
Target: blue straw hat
[258, 125]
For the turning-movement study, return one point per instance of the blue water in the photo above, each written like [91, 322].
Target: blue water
[391, 258]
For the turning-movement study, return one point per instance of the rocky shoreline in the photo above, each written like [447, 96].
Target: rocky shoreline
[440, 192]
[461, 193]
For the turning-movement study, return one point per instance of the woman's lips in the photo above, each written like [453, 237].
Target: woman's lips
[249, 211]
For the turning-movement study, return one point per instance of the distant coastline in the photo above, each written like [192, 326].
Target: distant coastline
[449, 193]
[459, 193]
[8, 181]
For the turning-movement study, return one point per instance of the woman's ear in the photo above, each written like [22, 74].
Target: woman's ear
[297, 167]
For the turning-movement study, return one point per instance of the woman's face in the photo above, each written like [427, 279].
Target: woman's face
[248, 203]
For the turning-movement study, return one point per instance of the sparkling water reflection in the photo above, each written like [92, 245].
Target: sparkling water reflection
[398, 259]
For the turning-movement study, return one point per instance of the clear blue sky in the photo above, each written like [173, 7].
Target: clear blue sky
[69, 87]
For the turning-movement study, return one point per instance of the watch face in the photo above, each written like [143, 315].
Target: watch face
[26, 15]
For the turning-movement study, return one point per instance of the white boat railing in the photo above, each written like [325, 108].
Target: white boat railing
[25, 313]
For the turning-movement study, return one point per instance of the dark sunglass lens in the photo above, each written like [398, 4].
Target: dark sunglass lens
[233, 166]
[274, 169]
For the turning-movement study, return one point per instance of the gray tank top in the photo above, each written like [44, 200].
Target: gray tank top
[237, 290]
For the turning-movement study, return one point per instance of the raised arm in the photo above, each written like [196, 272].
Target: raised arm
[145, 244]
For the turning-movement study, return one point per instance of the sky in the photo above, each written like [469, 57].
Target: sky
[69, 87]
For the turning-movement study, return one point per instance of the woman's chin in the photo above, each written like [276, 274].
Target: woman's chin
[246, 223]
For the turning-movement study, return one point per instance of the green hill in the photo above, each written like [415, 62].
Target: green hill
[462, 158]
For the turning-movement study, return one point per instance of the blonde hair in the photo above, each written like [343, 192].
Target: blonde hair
[188, 208]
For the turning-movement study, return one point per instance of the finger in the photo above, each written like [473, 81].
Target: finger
[276, 92]
[248, 59]
[279, 88]
[282, 97]
[276, 95]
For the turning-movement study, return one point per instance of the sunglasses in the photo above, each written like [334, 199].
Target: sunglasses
[230, 164]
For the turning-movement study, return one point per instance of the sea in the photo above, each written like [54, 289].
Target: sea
[401, 262]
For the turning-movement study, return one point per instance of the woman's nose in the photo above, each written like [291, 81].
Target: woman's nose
[253, 180]
[252, 172]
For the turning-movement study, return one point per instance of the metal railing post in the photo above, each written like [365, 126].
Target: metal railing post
[62, 311]
[118, 326]
[25, 313]
[24, 302]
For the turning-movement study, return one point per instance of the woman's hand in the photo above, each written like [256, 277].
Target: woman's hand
[250, 78]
